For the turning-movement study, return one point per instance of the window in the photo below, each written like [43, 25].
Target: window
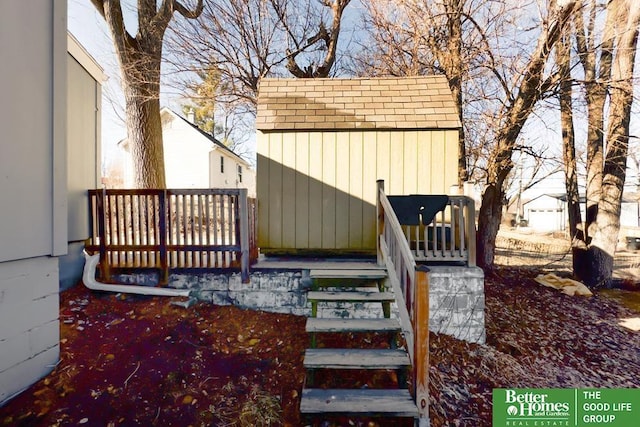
[221, 164]
[239, 173]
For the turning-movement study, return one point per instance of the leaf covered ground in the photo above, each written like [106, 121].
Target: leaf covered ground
[140, 361]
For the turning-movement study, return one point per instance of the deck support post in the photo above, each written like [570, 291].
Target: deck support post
[470, 227]
[243, 212]
[421, 343]
[379, 220]
[105, 269]
[162, 238]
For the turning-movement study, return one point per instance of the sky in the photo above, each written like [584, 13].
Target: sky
[90, 30]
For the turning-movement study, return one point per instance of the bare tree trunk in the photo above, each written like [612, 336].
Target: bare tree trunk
[533, 85]
[455, 71]
[144, 130]
[140, 59]
[595, 265]
[489, 219]
[563, 54]
[596, 78]
[140, 69]
[576, 228]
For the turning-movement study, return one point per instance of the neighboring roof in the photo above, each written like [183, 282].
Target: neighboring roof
[365, 103]
[558, 196]
[210, 137]
[124, 143]
[88, 62]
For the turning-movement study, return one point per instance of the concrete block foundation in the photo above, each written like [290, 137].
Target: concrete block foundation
[456, 297]
[456, 302]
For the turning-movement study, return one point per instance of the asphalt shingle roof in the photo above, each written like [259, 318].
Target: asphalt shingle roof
[365, 103]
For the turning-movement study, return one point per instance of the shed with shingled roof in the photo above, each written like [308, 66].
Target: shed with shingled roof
[323, 143]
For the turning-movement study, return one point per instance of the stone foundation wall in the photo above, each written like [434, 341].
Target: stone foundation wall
[456, 304]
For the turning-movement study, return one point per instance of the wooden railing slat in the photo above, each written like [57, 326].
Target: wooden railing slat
[172, 229]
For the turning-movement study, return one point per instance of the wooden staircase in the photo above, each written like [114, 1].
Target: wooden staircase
[331, 287]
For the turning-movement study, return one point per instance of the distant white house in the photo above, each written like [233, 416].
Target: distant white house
[195, 159]
[548, 212]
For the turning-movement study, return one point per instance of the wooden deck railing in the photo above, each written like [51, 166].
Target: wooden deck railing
[432, 234]
[444, 233]
[190, 229]
[410, 284]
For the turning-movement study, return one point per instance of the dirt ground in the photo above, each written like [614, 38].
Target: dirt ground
[141, 361]
[551, 252]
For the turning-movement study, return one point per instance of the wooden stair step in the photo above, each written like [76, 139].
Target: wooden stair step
[351, 325]
[343, 358]
[359, 402]
[373, 274]
[351, 296]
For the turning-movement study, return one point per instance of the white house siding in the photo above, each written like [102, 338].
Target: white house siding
[549, 213]
[84, 100]
[629, 215]
[192, 159]
[229, 177]
[33, 226]
[186, 154]
[29, 328]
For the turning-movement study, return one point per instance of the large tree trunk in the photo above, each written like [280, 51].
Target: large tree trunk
[144, 130]
[489, 219]
[576, 229]
[596, 80]
[455, 71]
[141, 78]
[140, 59]
[594, 266]
[568, 137]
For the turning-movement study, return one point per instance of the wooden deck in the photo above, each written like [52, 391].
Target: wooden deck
[292, 263]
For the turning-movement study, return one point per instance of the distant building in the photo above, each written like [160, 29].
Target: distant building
[548, 212]
[195, 159]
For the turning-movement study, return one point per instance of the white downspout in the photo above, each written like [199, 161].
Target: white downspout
[89, 280]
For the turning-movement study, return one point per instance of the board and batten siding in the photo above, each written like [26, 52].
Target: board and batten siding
[317, 189]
